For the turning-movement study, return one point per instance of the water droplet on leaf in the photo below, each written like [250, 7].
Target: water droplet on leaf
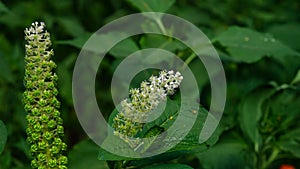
[246, 39]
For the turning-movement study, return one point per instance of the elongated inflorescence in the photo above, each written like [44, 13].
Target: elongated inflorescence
[129, 121]
[44, 123]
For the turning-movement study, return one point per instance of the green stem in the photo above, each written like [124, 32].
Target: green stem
[190, 58]
[188, 61]
[161, 26]
[272, 157]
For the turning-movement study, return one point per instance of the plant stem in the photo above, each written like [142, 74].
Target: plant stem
[188, 60]
[272, 157]
[161, 26]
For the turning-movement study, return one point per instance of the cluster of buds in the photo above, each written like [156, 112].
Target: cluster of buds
[44, 123]
[134, 112]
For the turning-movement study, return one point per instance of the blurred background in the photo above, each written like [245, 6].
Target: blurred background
[70, 22]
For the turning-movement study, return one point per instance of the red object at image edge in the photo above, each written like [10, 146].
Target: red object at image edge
[286, 166]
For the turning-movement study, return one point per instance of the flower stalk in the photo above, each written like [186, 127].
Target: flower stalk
[144, 100]
[44, 124]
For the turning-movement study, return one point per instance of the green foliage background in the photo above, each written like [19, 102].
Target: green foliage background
[258, 42]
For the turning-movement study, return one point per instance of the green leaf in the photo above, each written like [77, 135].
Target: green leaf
[152, 5]
[162, 42]
[251, 112]
[98, 43]
[227, 154]
[246, 45]
[124, 48]
[84, 155]
[282, 111]
[188, 144]
[287, 33]
[166, 119]
[3, 8]
[77, 42]
[71, 26]
[291, 142]
[168, 156]
[116, 145]
[191, 141]
[297, 78]
[3, 136]
[169, 166]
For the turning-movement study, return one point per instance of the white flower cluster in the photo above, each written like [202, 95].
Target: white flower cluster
[143, 101]
[38, 39]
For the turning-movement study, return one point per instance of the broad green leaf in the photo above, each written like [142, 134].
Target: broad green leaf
[152, 5]
[71, 26]
[162, 42]
[282, 111]
[192, 14]
[191, 141]
[98, 43]
[168, 156]
[166, 119]
[115, 144]
[77, 42]
[246, 45]
[169, 166]
[3, 136]
[251, 112]
[104, 155]
[124, 48]
[291, 142]
[228, 153]
[287, 33]
[84, 155]
[3, 8]
[188, 144]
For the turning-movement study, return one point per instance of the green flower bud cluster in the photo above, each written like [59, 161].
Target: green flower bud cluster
[135, 111]
[44, 123]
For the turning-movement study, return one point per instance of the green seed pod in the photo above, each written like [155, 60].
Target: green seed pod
[63, 160]
[33, 148]
[37, 128]
[44, 118]
[42, 167]
[35, 136]
[60, 129]
[57, 141]
[42, 145]
[41, 157]
[34, 163]
[51, 124]
[63, 146]
[48, 135]
[54, 150]
[40, 102]
[62, 167]
[52, 163]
